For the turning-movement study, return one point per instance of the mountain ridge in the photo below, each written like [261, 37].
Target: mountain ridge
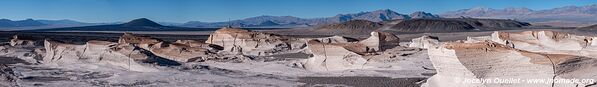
[140, 24]
[561, 15]
[27, 24]
[6, 23]
[375, 16]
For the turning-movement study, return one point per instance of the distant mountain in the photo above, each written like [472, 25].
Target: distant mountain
[64, 22]
[350, 27]
[375, 16]
[169, 23]
[454, 25]
[290, 21]
[482, 12]
[420, 14]
[591, 28]
[6, 23]
[353, 25]
[252, 22]
[561, 15]
[268, 23]
[141, 24]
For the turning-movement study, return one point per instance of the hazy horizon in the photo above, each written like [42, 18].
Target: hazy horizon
[180, 11]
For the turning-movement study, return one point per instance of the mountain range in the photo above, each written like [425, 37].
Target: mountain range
[264, 21]
[6, 24]
[290, 21]
[141, 24]
[564, 16]
[20, 23]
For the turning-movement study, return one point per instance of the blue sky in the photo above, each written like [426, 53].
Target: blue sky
[222, 10]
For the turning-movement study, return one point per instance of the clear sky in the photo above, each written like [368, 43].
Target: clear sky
[221, 10]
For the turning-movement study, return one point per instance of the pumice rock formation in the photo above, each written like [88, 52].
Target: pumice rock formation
[144, 42]
[455, 62]
[380, 41]
[101, 52]
[424, 42]
[20, 41]
[180, 52]
[332, 57]
[137, 60]
[29, 56]
[239, 41]
[345, 56]
[333, 39]
[548, 42]
[195, 43]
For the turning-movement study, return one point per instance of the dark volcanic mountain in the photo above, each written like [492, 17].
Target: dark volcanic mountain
[427, 25]
[353, 25]
[455, 24]
[141, 24]
[350, 27]
[563, 16]
[290, 21]
[5, 23]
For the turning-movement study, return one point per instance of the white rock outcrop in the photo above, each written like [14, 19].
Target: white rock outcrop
[18, 41]
[27, 55]
[457, 62]
[379, 41]
[99, 52]
[333, 39]
[195, 43]
[144, 42]
[332, 57]
[424, 42]
[239, 41]
[548, 42]
[180, 52]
